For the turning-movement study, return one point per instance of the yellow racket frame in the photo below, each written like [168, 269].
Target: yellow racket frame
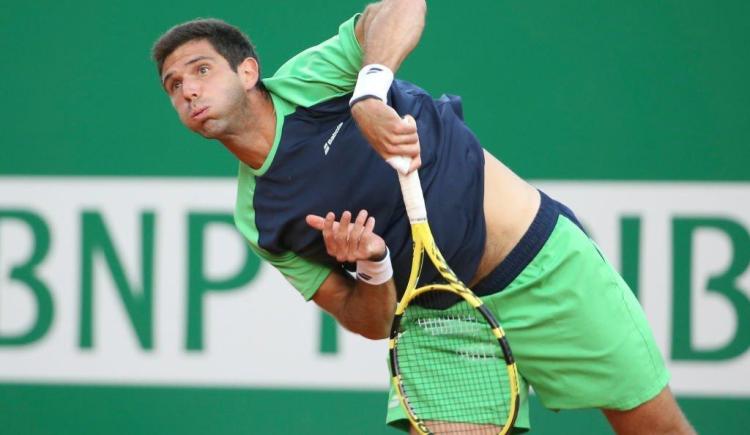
[424, 242]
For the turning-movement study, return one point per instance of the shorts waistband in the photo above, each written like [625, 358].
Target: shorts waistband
[527, 248]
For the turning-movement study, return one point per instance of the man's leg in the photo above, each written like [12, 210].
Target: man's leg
[659, 416]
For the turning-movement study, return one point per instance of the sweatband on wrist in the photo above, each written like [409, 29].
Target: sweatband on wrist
[375, 272]
[373, 81]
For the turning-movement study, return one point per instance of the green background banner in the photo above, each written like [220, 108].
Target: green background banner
[585, 90]
[571, 90]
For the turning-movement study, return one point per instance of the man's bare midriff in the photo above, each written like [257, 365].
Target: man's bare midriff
[510, 205]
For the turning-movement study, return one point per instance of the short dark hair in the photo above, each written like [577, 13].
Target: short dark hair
[227, 40]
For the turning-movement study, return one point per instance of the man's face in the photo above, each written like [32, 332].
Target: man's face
[206, 92]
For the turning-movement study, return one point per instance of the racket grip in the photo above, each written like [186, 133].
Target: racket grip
[411, 189]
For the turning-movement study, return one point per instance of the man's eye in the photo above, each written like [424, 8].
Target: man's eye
[176, 85]
[203, 70]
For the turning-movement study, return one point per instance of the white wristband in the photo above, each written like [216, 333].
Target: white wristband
[375, 272]
[373, 81]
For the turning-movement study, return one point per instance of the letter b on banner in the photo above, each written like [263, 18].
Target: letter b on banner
[725, 283]
[26, 275]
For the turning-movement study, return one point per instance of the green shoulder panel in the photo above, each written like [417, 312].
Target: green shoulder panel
[303, 274]
[322, 72]
[325, 71]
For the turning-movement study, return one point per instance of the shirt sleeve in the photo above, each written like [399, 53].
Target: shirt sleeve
[322, 72]
[304, 275]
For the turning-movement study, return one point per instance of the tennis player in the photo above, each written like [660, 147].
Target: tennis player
[317, 200]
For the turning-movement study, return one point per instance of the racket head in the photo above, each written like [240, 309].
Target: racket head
[451, 364]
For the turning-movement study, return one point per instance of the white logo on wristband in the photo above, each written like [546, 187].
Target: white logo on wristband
[375, 272]
[364, 276]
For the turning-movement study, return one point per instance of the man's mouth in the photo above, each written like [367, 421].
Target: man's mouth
[198, 112]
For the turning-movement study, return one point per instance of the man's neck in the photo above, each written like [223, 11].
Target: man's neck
[253, 140]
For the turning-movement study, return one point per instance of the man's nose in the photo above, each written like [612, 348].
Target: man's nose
[191, 90]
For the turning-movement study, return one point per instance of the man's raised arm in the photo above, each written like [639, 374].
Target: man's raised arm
[388, 31]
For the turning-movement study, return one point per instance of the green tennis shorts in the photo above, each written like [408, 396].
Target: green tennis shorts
[576, 330]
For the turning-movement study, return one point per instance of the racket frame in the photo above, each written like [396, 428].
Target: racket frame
[425, 243]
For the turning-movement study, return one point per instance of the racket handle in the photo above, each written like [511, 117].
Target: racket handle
[411, 189]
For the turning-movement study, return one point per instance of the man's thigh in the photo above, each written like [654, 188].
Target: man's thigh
[576, 330]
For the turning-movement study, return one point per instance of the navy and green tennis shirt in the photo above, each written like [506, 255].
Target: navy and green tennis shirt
[321, 162]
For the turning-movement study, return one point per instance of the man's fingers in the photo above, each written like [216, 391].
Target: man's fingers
[407, 125]
[361, 217]
[328, 232]
[315, 221]
[371, 248]
[401, 128]
[344, 230]
[369, 226]
[406, 150]
[340, 236]
[367, 230]
[328, 223]
[415, 164]
[405, 139]
[346, 240]
[355, 236]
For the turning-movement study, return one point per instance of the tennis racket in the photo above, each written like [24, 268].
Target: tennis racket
[450, 361]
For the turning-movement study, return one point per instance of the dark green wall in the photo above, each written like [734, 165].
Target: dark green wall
[62, 410]
[587, 89]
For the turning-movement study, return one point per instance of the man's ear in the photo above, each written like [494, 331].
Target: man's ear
[248, 71]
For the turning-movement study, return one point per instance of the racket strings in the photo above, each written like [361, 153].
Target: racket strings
[453, 372]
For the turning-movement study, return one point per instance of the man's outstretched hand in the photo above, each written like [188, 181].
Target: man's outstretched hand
[349, 241]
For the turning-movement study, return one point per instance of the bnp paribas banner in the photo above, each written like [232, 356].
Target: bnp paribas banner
[146, 281]
[129, 304]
